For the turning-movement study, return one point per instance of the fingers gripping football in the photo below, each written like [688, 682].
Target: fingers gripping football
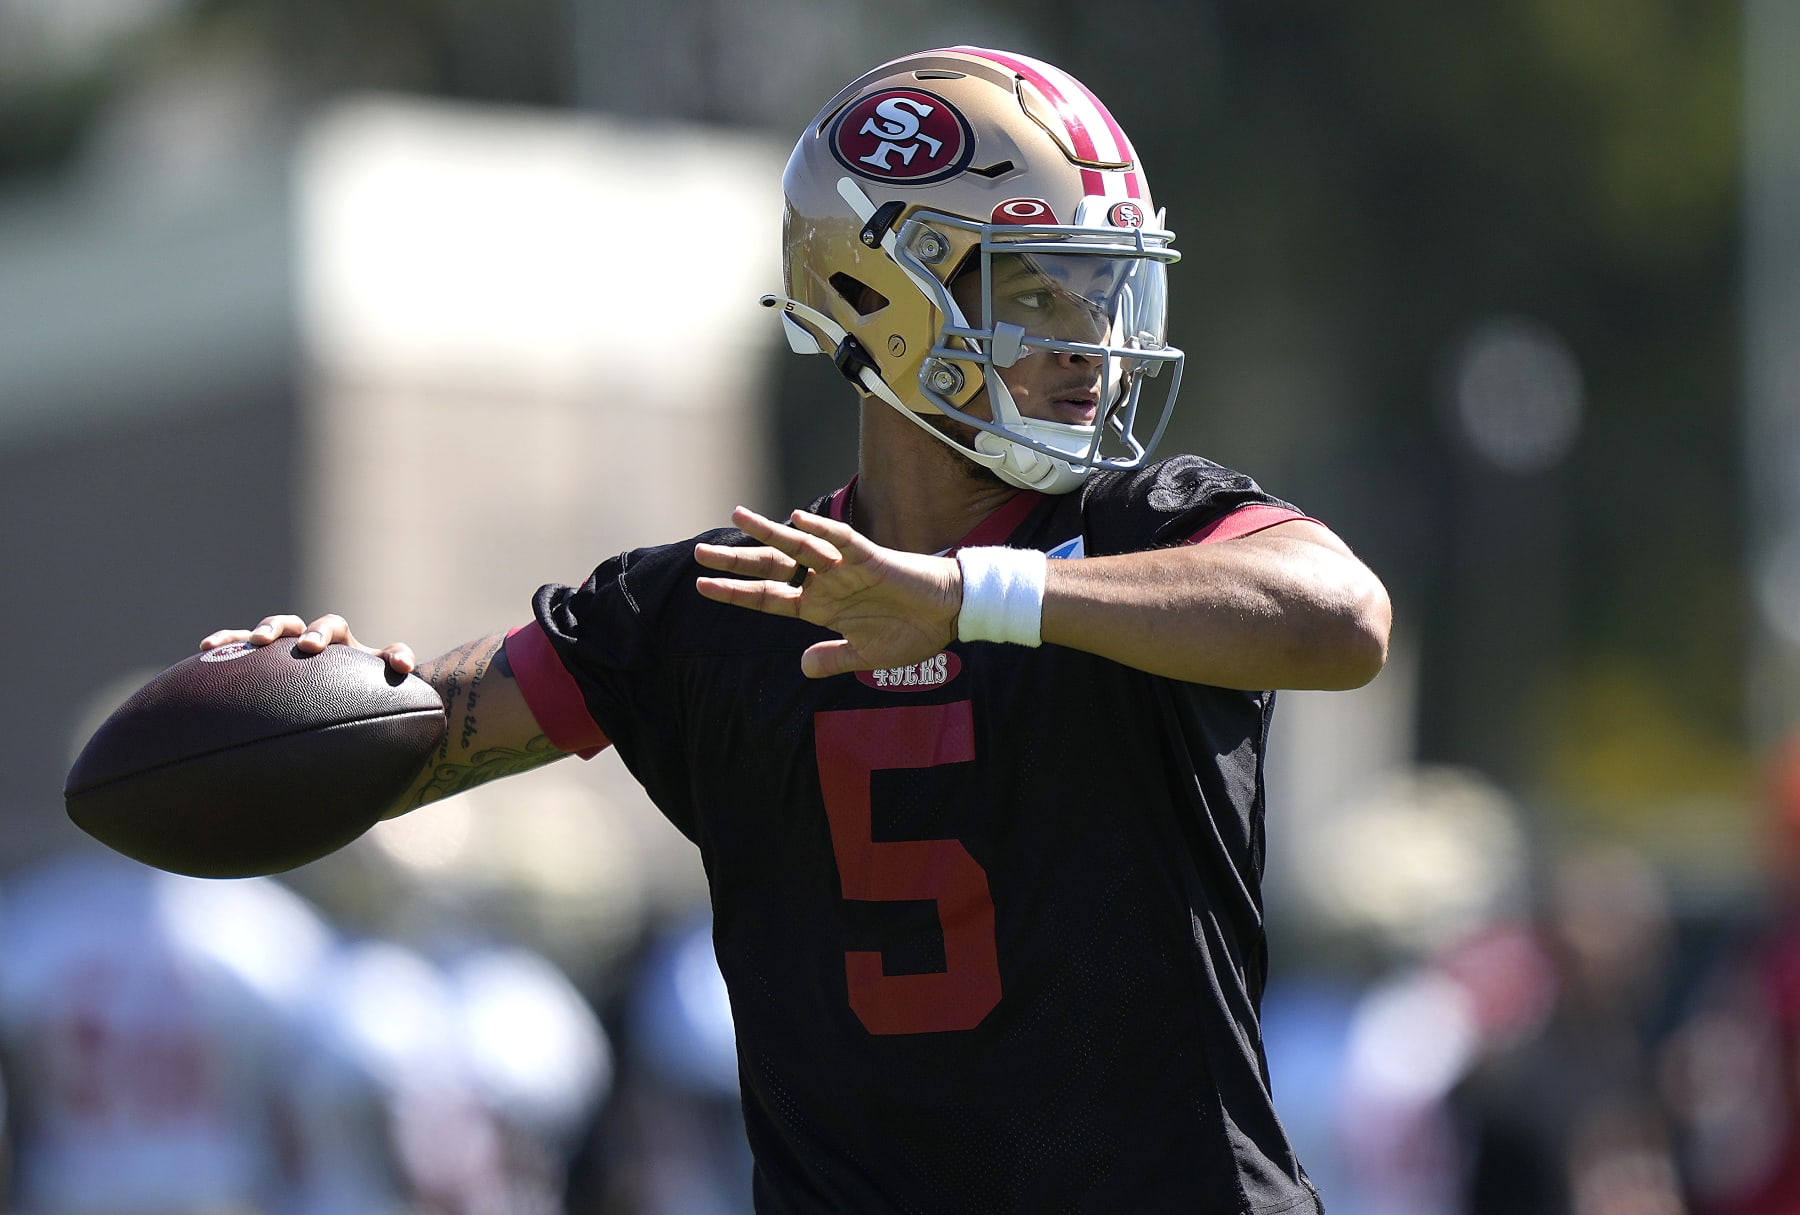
[890, 608]
[314, 636]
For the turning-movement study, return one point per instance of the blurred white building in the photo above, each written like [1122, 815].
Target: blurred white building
[408, 368]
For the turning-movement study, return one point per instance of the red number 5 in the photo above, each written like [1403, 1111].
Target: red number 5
[853, 744]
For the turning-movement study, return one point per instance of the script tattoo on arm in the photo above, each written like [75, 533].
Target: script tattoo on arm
[490, 732]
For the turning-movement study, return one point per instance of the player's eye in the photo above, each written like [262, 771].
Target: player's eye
[1033, 301]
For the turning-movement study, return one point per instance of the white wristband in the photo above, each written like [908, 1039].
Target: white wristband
[1002, 594]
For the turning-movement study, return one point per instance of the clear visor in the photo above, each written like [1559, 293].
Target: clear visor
[1096, 292]
[1067, 302]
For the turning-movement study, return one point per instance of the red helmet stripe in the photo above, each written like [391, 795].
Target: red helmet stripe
[1060, 89]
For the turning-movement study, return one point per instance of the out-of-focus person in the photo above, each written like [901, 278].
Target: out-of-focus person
[540, 1065]
[1512, 1070]
[144, 1019]
[1419, 885]
[677, 1135]
[374, 1035]
[454, 1088]
[1733, 1068]
[1566, 1117]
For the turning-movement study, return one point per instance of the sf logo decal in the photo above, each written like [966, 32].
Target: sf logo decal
[903, 135]
[1126, 215]
[896, 125]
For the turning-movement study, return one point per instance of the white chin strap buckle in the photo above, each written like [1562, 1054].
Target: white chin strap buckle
[1019, 465]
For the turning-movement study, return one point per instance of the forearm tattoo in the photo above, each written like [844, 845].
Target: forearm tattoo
[462, 762]
[448, 777]
[460, 688]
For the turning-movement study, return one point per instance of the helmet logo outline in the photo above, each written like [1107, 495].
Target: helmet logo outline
[904, 136]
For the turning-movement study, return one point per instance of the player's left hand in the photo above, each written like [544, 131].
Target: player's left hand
[889, 608]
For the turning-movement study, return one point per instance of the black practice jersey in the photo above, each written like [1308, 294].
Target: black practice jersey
[991, 923]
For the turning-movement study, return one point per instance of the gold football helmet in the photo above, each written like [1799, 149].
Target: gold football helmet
[951, 163]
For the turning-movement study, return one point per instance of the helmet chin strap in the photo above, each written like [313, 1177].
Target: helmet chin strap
[1023, 466]
[1026, 468]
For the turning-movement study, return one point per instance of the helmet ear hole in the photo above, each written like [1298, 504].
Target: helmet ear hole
[858, 294]
[970, 264]
[964, 279]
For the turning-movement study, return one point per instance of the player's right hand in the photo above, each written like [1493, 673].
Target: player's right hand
[314, 635]
[889, 608]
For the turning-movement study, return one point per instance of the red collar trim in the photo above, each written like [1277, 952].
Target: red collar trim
[835, 508]
[997, 528]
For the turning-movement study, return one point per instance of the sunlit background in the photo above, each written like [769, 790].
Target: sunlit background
[401, 308]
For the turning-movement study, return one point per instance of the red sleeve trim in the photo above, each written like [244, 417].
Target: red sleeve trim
[1245, 520]
[551, 694]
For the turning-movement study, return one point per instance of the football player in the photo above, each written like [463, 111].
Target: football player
[972, 747]
[145, 1021]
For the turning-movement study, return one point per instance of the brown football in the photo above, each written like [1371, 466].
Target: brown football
[247, 760]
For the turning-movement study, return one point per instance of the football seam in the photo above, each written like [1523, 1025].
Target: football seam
[252, 742]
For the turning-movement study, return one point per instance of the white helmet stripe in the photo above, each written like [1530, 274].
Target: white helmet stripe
[1093, 131]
